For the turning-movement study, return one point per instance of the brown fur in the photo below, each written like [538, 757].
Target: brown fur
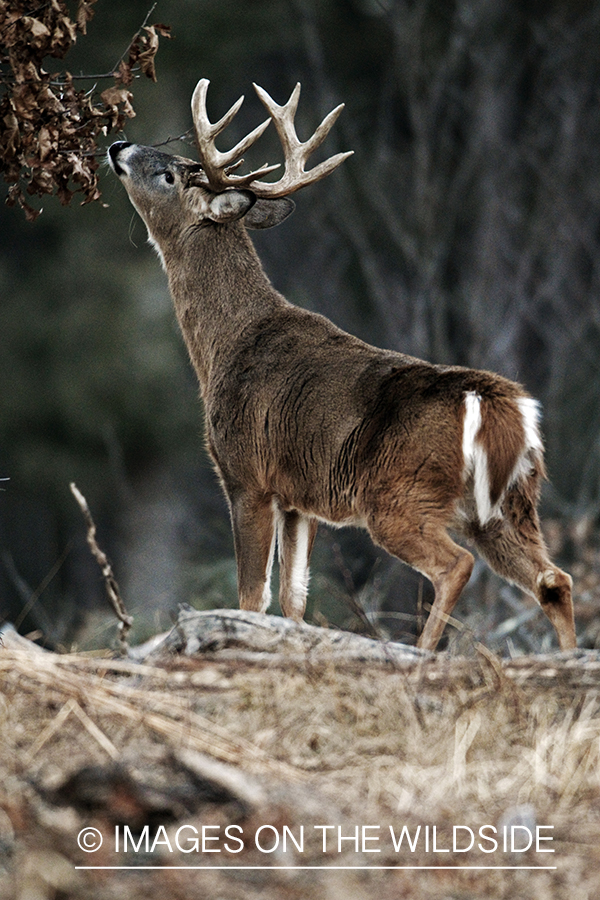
[305, 422]
[502, 436]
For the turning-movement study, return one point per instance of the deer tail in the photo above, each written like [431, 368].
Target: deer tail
[501, 446]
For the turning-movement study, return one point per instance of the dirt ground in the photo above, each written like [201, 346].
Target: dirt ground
[225, 776]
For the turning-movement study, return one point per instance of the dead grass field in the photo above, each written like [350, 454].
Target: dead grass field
[93, 742]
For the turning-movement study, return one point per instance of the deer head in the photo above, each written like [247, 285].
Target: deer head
[172, 193]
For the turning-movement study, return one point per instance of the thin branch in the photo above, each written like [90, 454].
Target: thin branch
[349, 598]
[63, 82]
[185, 138]
[35, 595]
[132, 41]
[110, 582]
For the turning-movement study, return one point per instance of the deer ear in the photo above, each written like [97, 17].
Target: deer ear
[230, 205]
[266, 213]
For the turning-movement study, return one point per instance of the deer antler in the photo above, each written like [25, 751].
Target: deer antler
[296, 152]
[219, 166]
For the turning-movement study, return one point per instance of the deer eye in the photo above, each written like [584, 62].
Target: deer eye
[169, 177]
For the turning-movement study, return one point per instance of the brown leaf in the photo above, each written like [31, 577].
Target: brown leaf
[45, 143]
[64, 194]
[15, 194]
[146, 57]
[10, 137]
[24, 70]
[84, 14]
[42, 180]
[113, 96]
[38, 33]
[48, 133]
[124, 74]
[24, 102]
[163, 30]
[49, 101]
[63, 37]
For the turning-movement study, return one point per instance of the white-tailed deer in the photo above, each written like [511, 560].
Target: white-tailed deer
[307, 423]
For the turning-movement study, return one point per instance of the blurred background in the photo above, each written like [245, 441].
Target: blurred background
[464, 230]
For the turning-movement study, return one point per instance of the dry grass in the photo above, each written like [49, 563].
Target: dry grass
[445, 742]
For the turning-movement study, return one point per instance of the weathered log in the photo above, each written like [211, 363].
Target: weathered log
[238, 632]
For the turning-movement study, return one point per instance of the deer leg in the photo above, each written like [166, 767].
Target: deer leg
[514, 548]
[428, 548]
[555, 594]
[296, 536]
[449, 568]
[254, 532]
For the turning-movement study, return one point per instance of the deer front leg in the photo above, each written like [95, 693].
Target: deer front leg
[253, 521]
[296, 536]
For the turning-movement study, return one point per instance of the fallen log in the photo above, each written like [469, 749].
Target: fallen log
[230, 632]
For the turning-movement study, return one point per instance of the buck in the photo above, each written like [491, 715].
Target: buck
[306, 423]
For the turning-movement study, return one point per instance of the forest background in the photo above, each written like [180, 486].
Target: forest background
[464, 230]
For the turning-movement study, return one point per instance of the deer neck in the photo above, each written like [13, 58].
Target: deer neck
[219, 289]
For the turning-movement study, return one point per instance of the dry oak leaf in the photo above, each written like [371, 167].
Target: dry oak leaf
[84, 14]
[112, 96]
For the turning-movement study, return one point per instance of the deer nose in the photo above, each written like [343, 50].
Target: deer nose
[113, 152]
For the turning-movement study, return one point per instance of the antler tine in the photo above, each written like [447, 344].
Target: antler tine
[200, 116]
[296, 152]
[324, 128]
[217, 165]
[274, 109]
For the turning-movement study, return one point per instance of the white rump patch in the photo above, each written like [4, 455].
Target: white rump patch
[475, 459]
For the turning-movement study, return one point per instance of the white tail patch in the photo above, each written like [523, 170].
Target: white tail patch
[531, 414]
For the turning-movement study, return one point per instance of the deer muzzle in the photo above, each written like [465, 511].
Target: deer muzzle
[113, 156]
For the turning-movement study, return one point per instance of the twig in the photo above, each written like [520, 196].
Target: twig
[71, 706]
[110, 582]
[349, 598]
[139, 31]
[185, 138]
[34, 596]
[50, 730]
[91, 727]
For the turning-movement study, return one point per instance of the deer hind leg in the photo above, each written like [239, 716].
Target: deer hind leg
[449, 568]
[427, 547]
[254, 534]
[296, 536]
[514, 548]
